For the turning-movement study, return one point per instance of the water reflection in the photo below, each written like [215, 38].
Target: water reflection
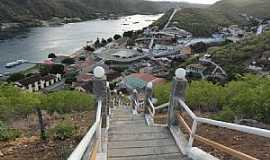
[36, 44]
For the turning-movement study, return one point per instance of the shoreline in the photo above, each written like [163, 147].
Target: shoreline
[77, 51]
[10, 30]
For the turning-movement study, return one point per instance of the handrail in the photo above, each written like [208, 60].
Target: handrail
[153, 112]
[82, 147]
[188, 110]
[165, 105]
[232, 126]
[136, 105]
[237, 127]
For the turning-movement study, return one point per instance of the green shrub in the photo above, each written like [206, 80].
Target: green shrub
[68, 101]
[63, 130]
[227, 115]
[68, 61]
[15, 77]
[116, 37]
[205, 96]
[7, 133]
[247, 97]
[162, 93]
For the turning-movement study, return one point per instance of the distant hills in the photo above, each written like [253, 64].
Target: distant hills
[256, 8]
[27, 11]
[203, 22]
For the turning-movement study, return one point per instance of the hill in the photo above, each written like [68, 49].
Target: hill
[236, 57]
[29, 10]
[203, 22]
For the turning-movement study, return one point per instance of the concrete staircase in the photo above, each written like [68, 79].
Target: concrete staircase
[131, 139]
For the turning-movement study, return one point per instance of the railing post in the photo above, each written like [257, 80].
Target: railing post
[192, 135]
[114, 97]
[108, 96]
[179, 86]
[134, 100]
[99, 89]
[148, 95]
[119, 100]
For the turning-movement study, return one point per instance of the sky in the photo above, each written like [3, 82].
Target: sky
[193, 1]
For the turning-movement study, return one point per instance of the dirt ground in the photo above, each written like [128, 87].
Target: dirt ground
[31, 147]
[258, 147]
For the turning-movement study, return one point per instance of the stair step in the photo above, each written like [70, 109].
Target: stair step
[136, 129]
[130, 122]
[141, 144]
[126, 116]
[170, 156]
[131, 139]
[149, 151]
[138, 137]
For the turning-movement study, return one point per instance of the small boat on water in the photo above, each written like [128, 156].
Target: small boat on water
[15, 63]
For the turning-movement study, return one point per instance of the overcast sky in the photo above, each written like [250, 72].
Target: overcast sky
[194, 1]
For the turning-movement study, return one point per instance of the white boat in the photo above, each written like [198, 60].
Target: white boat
[15, 63]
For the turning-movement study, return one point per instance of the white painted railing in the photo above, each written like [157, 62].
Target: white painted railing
[232, 126]
[165, 105]
[237, 127]
[92, 137]
[151, 109]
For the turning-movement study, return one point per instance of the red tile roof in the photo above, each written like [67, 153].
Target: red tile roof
[148, 78]
[143, 76]
[85, 77]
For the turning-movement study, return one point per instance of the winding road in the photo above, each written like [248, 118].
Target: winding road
[171, 17]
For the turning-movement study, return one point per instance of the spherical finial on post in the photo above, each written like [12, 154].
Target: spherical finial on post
[99, 82]
[149, 85]
[99, 72]
[180, 73]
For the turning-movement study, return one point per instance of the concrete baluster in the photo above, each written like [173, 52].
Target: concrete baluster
[99, 89]
[120, 99]
[179, 86]
[114, 97]
[30, 87]
[135, 100]
[148, 95]
[108, 96]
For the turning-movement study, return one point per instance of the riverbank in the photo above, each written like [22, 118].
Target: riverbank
[35, 44]
[12, 29]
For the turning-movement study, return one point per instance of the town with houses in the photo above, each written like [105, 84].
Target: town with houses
[138, 57]
[117, 75]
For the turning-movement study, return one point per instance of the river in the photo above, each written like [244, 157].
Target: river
[36, 44]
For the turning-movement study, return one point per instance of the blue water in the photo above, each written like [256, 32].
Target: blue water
[36, 44]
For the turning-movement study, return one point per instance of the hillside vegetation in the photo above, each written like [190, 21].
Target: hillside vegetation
[236, 57]
[15, 102]
[203, 22]
[28, 10]
[244, 98]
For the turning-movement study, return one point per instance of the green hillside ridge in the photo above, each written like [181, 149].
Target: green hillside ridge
[203, 22]
[27, 10]
[236, 57]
